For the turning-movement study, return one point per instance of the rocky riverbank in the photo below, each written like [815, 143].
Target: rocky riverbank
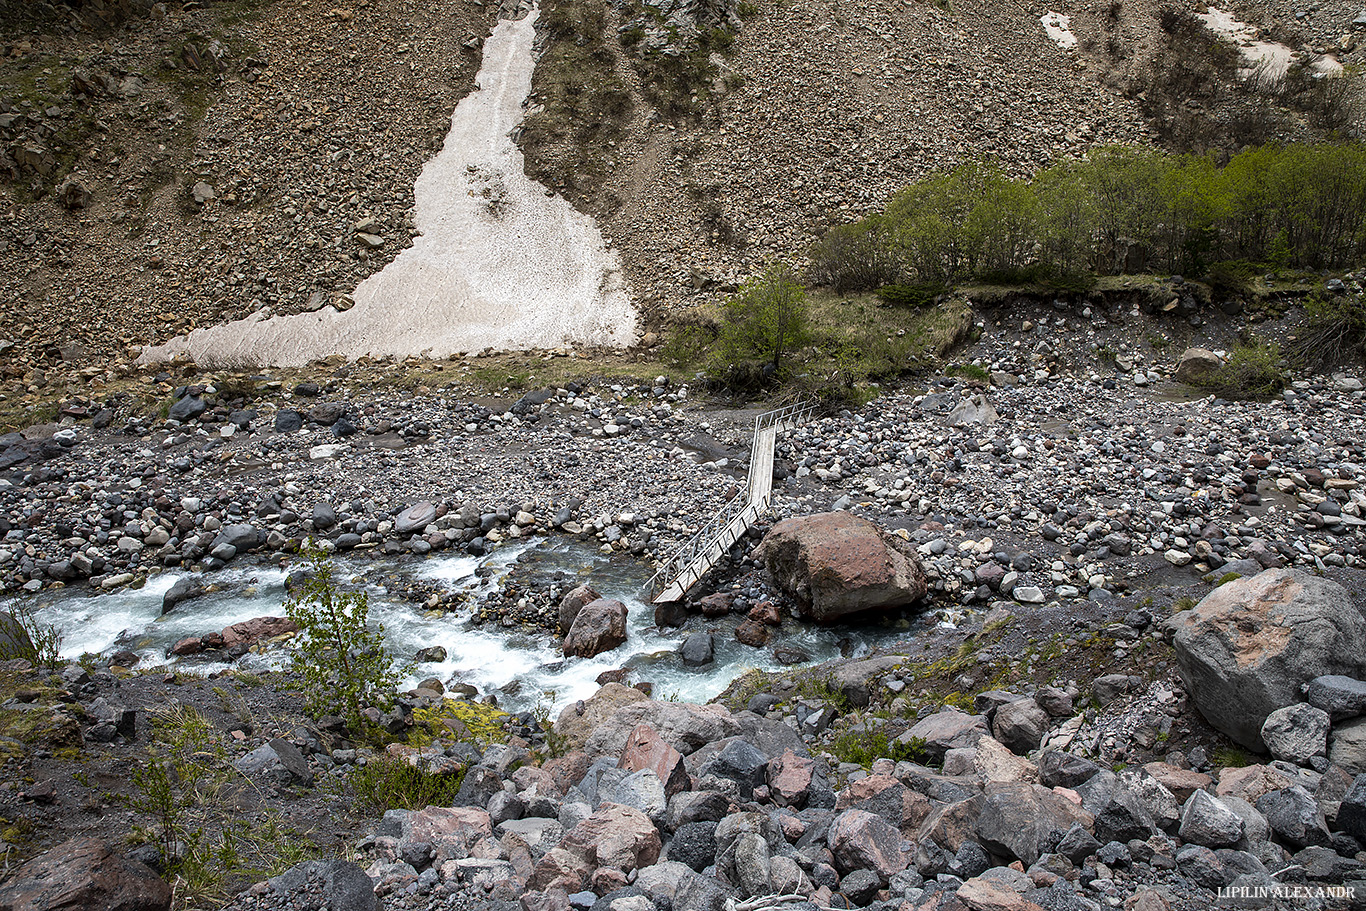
[874, 783]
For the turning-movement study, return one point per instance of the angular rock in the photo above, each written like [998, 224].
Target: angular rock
[694, 844]
[599, 627]
[1351, 816]
[84, 873]
[581, 719]
[946, 730]
[792, 779]
[1294, 817]
[861, 841]
[1296, 733]
[1347, 748]
[573, 602]
[645, 749]
[1020, 725]
[1206, 821]
[683, 726]
[1065, 770]
[1019, 819]
[1341, 697]
[835, 564]
[1245, 650]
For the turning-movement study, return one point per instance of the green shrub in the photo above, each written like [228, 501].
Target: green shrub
[854, 258]
[968, 371]
[912, 297]
[764, 321]
[1232, 279]
[386, 783]
[1292, 206]
[862, 748]
[1253, 372]
[341, 657]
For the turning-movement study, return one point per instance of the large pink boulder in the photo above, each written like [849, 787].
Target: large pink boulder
[645, 749]
[615, 838]
[600, 626]
[837, 563]
[861, 841]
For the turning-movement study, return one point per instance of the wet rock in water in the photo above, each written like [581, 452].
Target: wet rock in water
[183, 590]
[573, 602]
[250, 632]
[752, 633]
[599, 627]
[835, 564]
[432, 654]
[1247, 648]
[698, 650]
[85, 873]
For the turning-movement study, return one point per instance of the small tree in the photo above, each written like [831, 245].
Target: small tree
[765, 319]
[341, 657]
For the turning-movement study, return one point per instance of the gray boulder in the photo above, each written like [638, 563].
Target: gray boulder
[1206, 821]
[1020, 725]
[1294, 817]
[698, 650]
[1246, 649]
[1341, 697]
[1019, 820]
[946, 730]
[1296, 733]
[599, 627]
[1348, 746]
[278, 762]
[414, 518]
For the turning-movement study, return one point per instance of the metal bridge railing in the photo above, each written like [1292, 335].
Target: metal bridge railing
[705, 538]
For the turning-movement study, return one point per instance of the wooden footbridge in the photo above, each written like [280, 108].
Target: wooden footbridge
[704, 549]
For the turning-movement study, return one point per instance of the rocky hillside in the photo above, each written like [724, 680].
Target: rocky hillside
[168, 165]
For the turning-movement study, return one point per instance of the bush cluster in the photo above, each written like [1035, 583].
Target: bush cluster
[1120, 210]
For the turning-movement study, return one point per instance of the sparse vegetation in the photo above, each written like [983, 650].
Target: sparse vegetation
[1253, 371]
[1120, 210]
[341, 657]
[862, 747]
[386, 782]
[180, 784]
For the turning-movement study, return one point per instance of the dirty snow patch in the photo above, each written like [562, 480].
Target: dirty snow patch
[498, 262]
[1269, 59]
[1059, 28]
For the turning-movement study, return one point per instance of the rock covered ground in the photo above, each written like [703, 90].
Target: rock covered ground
[1058, 537]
